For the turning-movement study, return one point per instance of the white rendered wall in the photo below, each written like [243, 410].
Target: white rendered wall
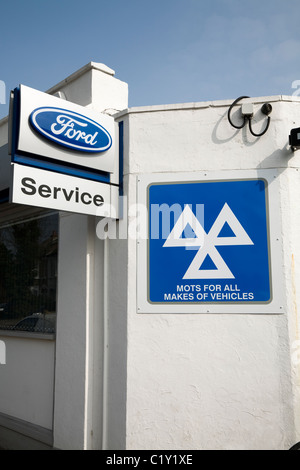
[214, 381]
[95, 86]
[27, 380]
[87, 409]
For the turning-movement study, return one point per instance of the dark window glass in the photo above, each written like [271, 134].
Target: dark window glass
[28, 275]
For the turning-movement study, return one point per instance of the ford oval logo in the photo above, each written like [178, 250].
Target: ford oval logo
[70, 129]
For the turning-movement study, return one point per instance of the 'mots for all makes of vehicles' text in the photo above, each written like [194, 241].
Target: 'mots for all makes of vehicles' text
[209, 293]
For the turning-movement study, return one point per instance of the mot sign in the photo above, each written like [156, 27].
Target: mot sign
[209, 246]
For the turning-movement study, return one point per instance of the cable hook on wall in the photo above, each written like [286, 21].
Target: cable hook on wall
[247, 115]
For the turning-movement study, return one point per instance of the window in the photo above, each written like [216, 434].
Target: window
[28, 274]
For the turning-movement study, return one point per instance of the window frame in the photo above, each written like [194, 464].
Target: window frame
[12, 214]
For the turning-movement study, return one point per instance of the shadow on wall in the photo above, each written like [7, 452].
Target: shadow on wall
[223, 133]
[259, 126]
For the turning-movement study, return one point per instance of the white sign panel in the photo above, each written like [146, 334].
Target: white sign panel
[213, 243]
[63, 131]
[42, 188]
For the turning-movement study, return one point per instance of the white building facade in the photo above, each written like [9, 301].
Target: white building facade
[124, 369]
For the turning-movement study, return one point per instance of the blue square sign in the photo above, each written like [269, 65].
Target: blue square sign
[208, 242]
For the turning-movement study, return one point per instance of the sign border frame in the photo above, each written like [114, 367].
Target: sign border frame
[277, 304]
[46, 153]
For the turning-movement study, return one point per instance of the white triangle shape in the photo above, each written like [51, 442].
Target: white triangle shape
[241, 236]
[186, 218]
[194, 271]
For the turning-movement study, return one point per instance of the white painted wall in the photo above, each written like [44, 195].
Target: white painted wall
[213, 381]
[87, 410]
[27, 380]
[96, 87]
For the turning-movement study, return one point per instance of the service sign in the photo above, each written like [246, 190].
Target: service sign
[53, 128]
[209, 246]
[41, 188]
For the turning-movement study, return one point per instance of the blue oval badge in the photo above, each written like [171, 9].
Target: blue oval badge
[70, 129]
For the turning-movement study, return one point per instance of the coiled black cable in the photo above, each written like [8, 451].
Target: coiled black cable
[262, 133]
[229, 113]
[266, 109]
[296, 446]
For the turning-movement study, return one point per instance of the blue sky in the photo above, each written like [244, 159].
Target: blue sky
[168, 51]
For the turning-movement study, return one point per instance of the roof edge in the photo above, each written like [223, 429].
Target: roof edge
[86, 68]
[205, 104]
